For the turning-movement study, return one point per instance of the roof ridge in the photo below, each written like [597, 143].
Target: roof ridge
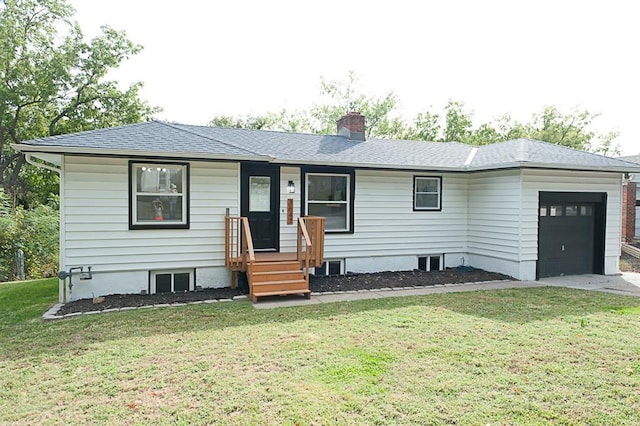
[178, 127]
[242, 129]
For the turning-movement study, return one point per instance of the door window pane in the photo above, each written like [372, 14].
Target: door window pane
[571, 211]
[543, 210]
[259, 193]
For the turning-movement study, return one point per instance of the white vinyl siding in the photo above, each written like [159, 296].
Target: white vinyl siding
[494, 214]
[288, 233]
[535, 181]
[386, 224]
[96, 217]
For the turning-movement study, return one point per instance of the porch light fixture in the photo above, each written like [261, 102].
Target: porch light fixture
[291, 187]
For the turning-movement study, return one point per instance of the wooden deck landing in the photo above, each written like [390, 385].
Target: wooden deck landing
[273, 256]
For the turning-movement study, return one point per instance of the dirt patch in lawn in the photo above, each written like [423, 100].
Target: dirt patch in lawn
[348, 282]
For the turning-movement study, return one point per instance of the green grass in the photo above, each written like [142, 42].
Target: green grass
[531, 356]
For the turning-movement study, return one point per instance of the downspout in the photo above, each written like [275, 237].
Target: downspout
[29, 159]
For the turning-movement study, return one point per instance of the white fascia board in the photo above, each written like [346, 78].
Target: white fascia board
[398, 167]
[133, 153]
[558, 166]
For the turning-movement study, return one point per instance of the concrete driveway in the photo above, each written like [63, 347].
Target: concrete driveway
[627, 283]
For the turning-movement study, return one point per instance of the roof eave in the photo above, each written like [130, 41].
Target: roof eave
[368, 165]
[557, 166]
[134, 153]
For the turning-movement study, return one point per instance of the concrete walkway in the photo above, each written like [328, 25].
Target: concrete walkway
[628, 283]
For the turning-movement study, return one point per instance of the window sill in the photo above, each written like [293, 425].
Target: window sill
[158, 226]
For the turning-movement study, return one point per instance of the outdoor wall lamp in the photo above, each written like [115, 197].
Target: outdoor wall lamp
[291, 187]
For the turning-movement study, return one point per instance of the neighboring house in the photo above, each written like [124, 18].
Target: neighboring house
[144, 205]
[631, 204]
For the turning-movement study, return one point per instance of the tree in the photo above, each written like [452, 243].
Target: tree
[572, 129]
[340, 97]
[453, 124]
[54, 82]
[282, 121]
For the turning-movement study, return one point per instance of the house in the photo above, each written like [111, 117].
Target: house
[150, 207]
[631, 204]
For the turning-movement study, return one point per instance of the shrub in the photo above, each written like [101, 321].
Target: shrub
[35, 231]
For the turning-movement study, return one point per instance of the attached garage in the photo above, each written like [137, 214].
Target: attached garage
[571, 233]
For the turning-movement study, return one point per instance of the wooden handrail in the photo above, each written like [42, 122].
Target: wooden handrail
[310, 243]
[303, 234]
[247, 241]
[238, 246]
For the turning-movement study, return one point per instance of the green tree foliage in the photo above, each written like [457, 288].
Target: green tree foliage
[54, 82]
[340, 97]
[35, 232]
[337, 98]
[550, 125]
[453, 124]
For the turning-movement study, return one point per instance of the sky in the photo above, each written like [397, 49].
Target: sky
[239, 57]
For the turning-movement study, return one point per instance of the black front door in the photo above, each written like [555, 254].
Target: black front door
[570, 234]
[259, 203]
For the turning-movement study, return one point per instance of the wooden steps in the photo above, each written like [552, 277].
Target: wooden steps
[271, 278]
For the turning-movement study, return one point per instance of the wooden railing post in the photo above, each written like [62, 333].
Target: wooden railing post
[238, 246]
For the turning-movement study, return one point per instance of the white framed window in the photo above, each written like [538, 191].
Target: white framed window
[433, 262]
[329, 195]
[159, 195]
[427, 193]
[174, 281]
[330, 267]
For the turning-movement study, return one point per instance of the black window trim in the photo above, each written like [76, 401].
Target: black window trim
[187, 195]
[304, 170]
[427, 209]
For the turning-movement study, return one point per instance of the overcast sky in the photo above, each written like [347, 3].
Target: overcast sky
[238, 57]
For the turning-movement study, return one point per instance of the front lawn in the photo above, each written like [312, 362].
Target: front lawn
[530, 356]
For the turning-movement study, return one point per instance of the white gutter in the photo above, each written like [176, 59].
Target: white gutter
[29, 158]
[61, 283]
[133, 153]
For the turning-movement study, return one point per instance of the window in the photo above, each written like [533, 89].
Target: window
[427, 193]
[159, 195]
[330, 267]
[329, 195]
[431, 263]
[171, 281]
[555, 211]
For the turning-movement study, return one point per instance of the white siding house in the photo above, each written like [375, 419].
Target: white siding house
[390, 204]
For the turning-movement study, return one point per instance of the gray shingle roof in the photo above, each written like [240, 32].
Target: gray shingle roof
[631, 158]
[152, 136]
[158, 139]
[333, 149]
[527, 152]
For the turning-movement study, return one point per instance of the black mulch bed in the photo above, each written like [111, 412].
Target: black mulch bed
[316, 284]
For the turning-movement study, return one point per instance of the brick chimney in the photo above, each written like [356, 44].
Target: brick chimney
[351, 125]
